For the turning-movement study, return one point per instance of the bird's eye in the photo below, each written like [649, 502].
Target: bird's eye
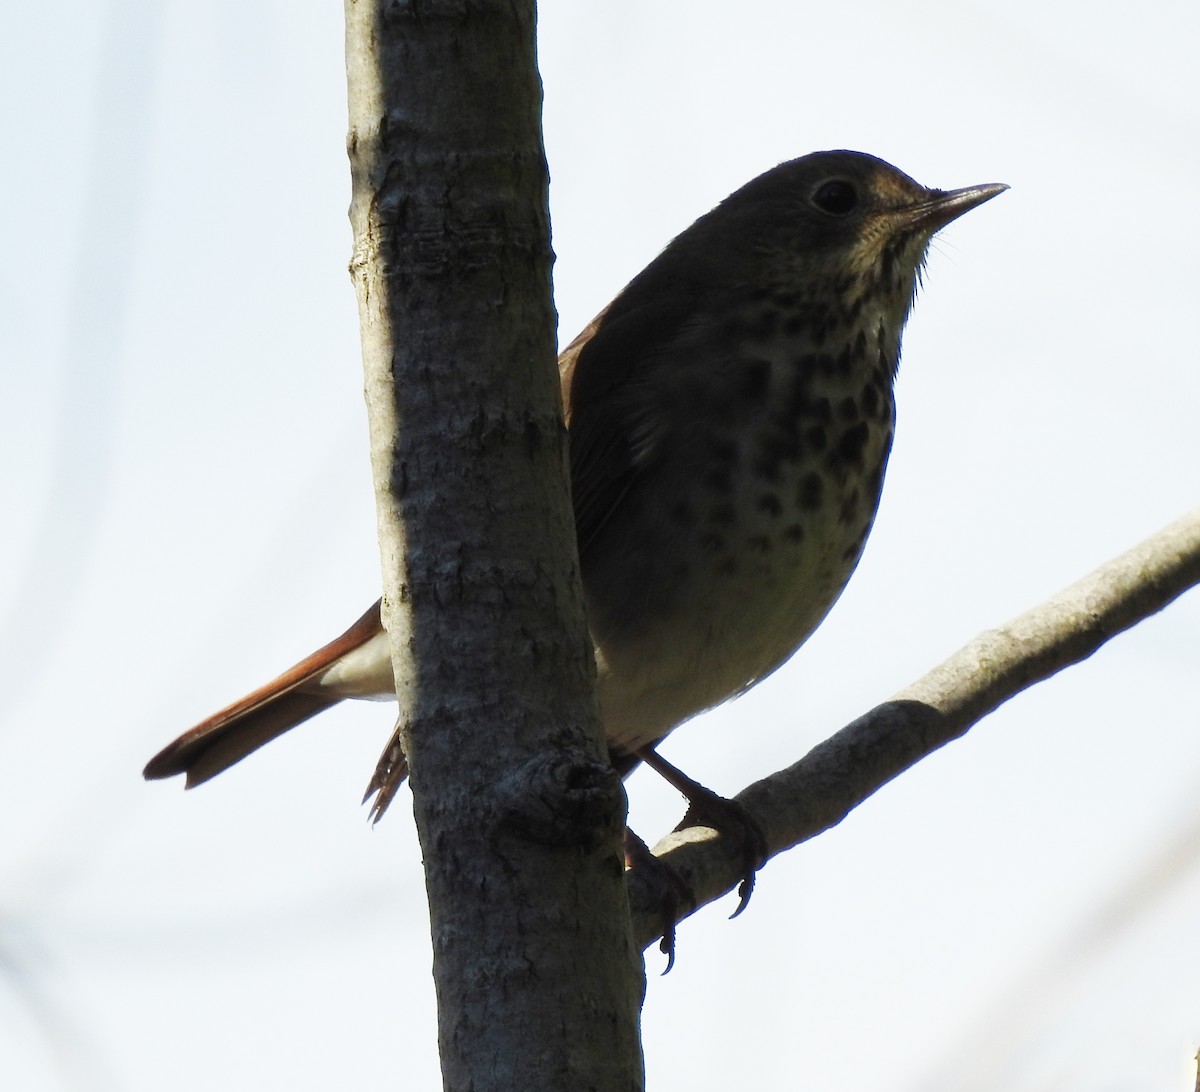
[835, 197]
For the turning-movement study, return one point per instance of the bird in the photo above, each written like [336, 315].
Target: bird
[729, 420]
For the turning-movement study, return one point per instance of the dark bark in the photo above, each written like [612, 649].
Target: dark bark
[518, 812]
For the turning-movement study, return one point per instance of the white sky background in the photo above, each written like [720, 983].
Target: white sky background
[188, 511]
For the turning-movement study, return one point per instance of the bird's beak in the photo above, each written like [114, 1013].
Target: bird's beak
[942, 206]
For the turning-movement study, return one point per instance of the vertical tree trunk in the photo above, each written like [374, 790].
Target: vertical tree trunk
[518, 812]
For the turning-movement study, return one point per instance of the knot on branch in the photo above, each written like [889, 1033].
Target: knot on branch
[565, 799]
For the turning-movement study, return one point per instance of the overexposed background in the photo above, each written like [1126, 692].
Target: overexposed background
[188, 511]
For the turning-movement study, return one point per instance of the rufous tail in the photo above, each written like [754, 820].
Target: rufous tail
[230, 735]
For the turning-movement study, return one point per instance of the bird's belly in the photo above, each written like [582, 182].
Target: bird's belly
[727, 640]
[723, 598]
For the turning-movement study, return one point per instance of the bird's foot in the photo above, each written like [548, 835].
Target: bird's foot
[672, 894]
[707, 808]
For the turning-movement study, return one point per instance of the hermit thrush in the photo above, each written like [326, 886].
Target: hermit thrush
[730, 416]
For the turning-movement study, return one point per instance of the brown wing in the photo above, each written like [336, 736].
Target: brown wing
[613, 431]
[229, 735]
[568, 359]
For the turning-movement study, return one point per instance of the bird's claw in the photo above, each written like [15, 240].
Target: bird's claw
[673, 895]
[707, 808]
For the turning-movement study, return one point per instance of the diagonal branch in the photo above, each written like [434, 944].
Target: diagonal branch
[821, 789]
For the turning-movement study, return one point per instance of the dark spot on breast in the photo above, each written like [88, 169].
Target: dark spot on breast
[793, 533]
[760, 544]
[815, 438]
[781, 443]
[714, 543]
[770, 503]
[726, 566]
[809, 493]
[766, 469]
[723, 515]
[822, 410]
[848, 408]
[849, 447]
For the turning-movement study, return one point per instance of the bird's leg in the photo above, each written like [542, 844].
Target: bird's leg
[707, 808]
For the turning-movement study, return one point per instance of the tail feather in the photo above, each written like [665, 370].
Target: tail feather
[231, 734]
